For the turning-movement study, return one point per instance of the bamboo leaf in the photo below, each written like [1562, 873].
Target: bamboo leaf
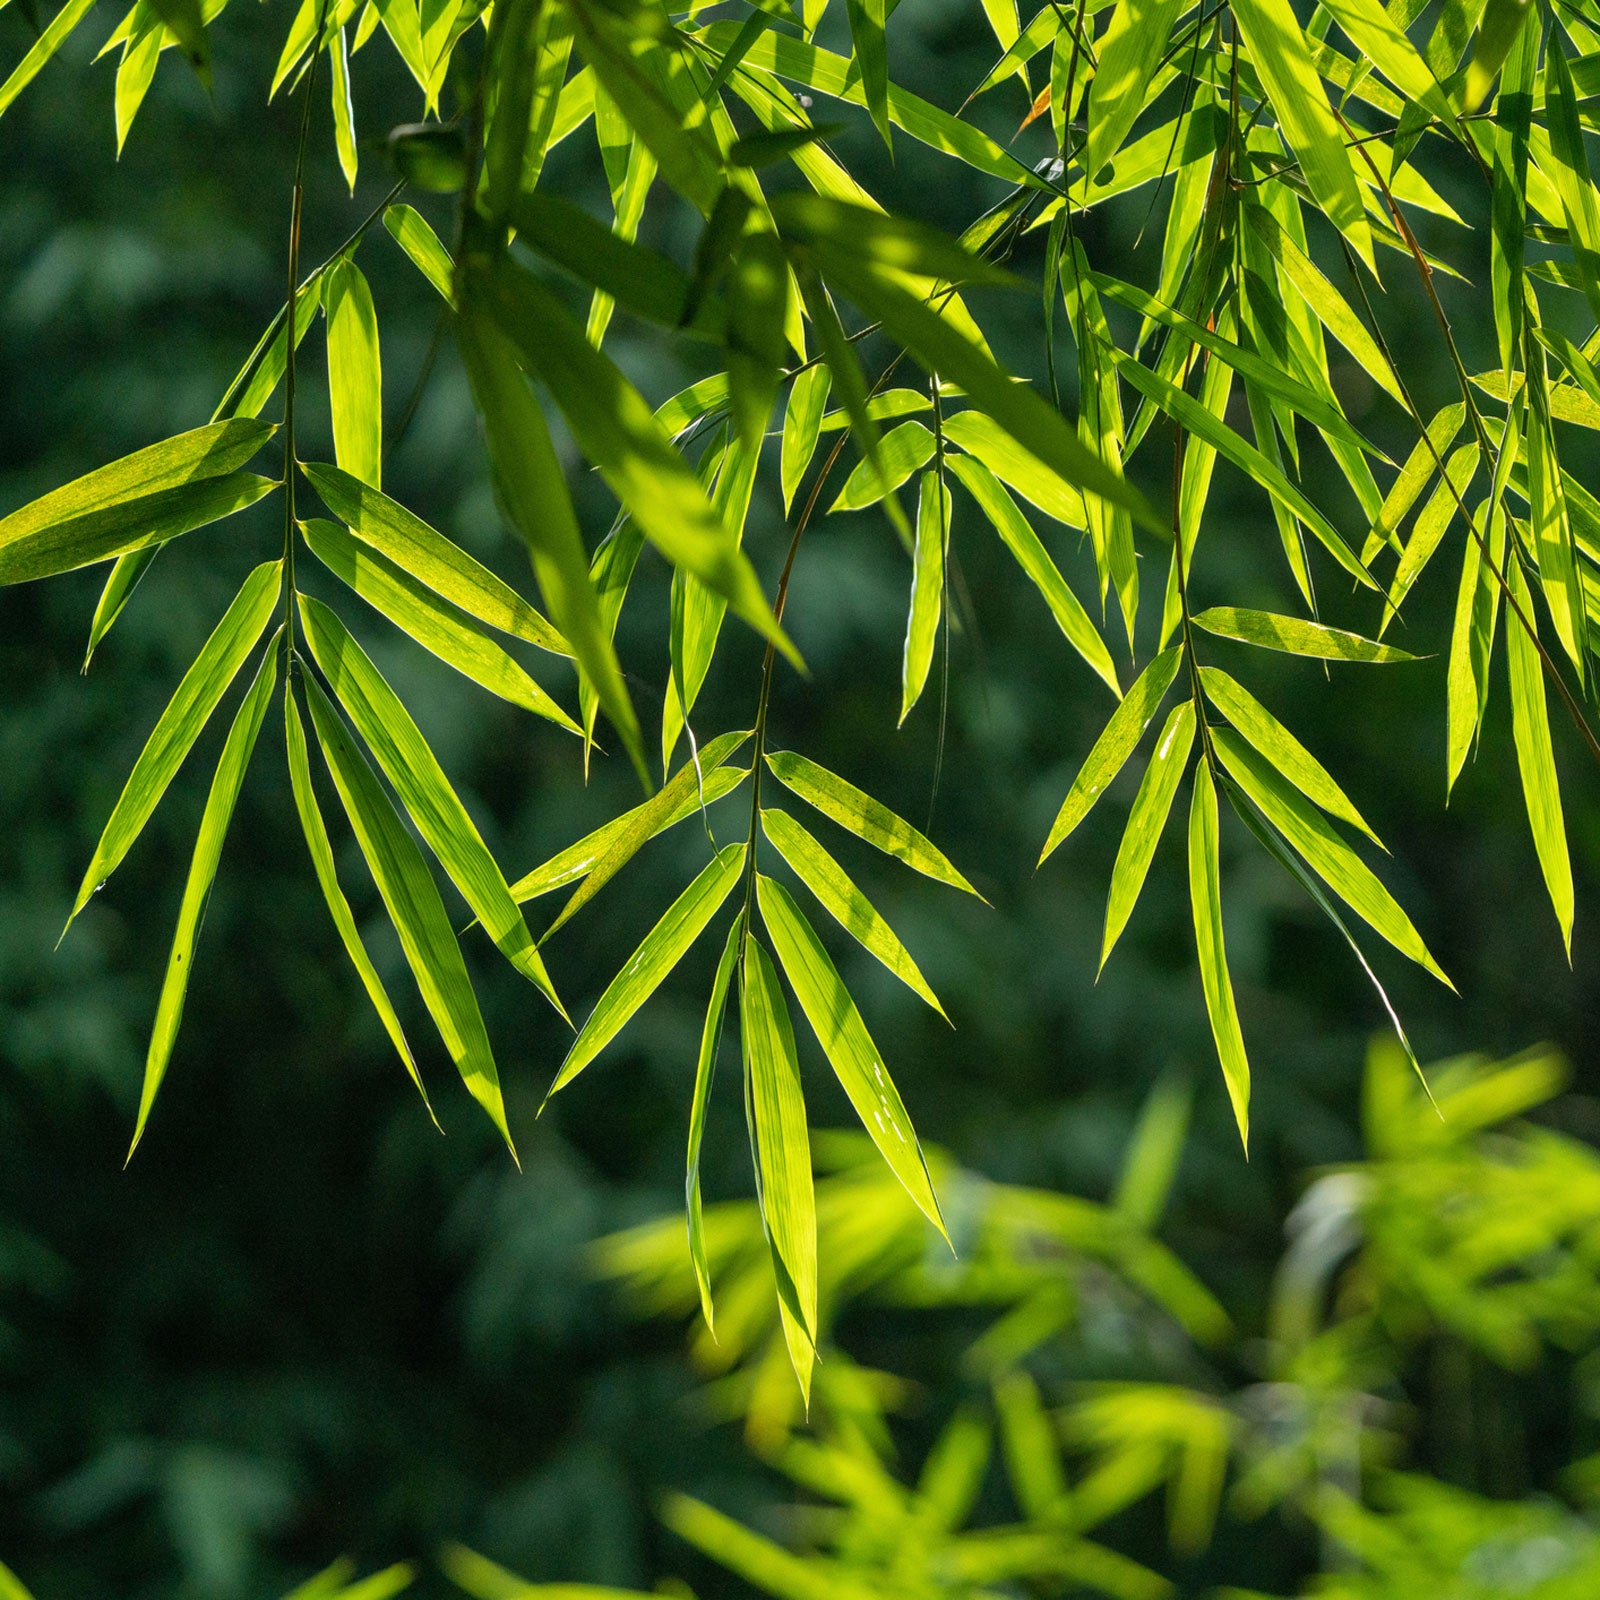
[417, 610]
[123, 579]
[1530, 726]
[1324, 851]
[214, 821]
[871, 56]
[344, 116]
[1432, 522]
[321, 848]
[61, 27]
[843, 901]
[1412, 479]
[1030, 554]
[659, 952]
[1130, 51]
[776, 1110]
[1205, 895]
[985, 439]
[1145, 822]
[645, 821]
[410, 766]
[705, 1072]
[802, 423]
[1281, 748]
[927, 588]
[416, 237]
[903, 450]
[174, 734]
[1269, 631]
[414, 907]
[1116, 742]
[433, 560]
[868, 819]
[855, 1059]
[355, 373]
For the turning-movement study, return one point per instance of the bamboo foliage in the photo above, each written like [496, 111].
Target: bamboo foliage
[1284, 151]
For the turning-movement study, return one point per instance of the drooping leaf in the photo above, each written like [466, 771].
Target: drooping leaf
[355, 373]
[927, 588]
[1269, 631]
[61, 27]
[704, 1075]
[802, 422]
[1205, 894]
[344, 114]
[985, 439]
[1117, 739]
[659, 952]
[1129, 52]
[858, 813]
[413, 233]
[188, 711]
[197, 888]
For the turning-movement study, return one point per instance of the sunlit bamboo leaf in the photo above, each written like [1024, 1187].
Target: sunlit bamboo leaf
[414, 907]
[1508, 196]
[860, 814]
[776, 1109]
[855, 1059]
[927, 588]
[1530, 726]
[1205, 894]
[321, 848]
[257, 380]
[1430, 527]
[197, 888]
[1502, 26]
[1129, 51]
[758, 299]
[410, 766]
[1269, 631]
[802, 421]
[437, 627]
[660, 951]
[705, 1073]
[355, 373]
[1146, 821]
[416, 237]
[1117, 739]
[61, 27]
[123, 579]
[904, 448]
[180, 724]
[1549, 521]
[984, 438]
[344, 115]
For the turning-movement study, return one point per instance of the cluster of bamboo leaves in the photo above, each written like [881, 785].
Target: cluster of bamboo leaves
[336, 1582]
[1284, 150]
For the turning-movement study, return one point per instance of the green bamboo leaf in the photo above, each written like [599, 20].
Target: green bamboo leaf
[414, 906]
[868, 819]
[705, 1071]
[1430, 527]
[776, 1111]
[618, 432]
[1115, 744]
[1281, 56]
[123, 579]
[843, 901]
[344, 114]
[1030, 554]
[1205, 895]
[180, 724]
[580, 859]
[197, 888]
[1466, 685]
[355, 373]
[927, 588]
[802, 423]
[659, 952]
[1323, 850]
[855, 1059]
[758, 303]
[410, 766]
[257, 380]
[136, 72]
[952, 356]
[1412, 479]
[1146, 821]
[11, 1585]
[871, 56]
[984, 438]
[1550, 522]
[1381, 42]
[321, 848]
[884, 406]
[1130, 51]
[903, 449]
[414, 235]
[1579, 203]
[1269, 631]
[644, 822]
[1530, 725]
[1502, 26]
[417, 610]
[127, 526]
[62, 25]
[1508, 194]
[187, 26]
[533, 494]
[433, 560]
[1281, 748]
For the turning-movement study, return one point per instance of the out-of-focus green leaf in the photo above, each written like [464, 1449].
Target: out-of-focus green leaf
[1146, 821]
[855, 1059]
[705, 1072]
[321, 848]
[433, 560]
[1269, 631]
[1281, 748]
[414, 907]
[776, 1110]
[1530, 726]
[844, 902]
[1205, 894]
[355, 373]
[659, 952]
[1117, 739]
[410, 766]
[179, 726]
[860, 814]
[927, 588]
[214, 821]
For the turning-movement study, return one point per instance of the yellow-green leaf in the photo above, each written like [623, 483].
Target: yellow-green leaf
[705, 1072]
[355, 373]
[1269, 631]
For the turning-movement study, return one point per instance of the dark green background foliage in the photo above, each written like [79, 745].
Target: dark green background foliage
[301, 1322]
